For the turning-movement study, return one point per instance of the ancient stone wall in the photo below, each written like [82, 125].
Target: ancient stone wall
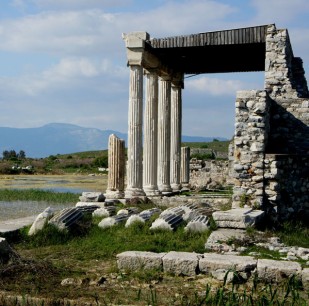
[287, 185]
[271, 143]
[251, 134]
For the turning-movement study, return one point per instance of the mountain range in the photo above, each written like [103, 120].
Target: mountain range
[63, 138]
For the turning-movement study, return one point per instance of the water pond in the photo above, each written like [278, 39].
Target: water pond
[57, 183]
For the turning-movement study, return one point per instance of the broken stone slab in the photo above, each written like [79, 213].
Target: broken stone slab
[134, 260]
[219, 240]
[40, 221]
[92, 197]
[167, 222]
[112, 221]
[198, 224]
[190, 211]
[129, 211]
[66, 217]
[143, 216]
[181, 263]
[275, 270]
[238, 217]
[173, 210]
[148, 213]
[104, 211]
[223, 274]
[212, 262]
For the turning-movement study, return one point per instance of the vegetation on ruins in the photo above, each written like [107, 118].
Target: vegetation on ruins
[87, 254]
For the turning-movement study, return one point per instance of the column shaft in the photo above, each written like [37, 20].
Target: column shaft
[150, 136]
[185, 166]
[164, 125]
[135, 167]
[116, 168]
[176, 118]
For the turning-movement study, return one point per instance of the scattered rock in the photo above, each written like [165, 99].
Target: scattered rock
[40, 221]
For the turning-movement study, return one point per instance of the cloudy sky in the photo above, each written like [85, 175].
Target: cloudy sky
[65, 61]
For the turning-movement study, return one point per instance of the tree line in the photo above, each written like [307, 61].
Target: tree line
[13, 155]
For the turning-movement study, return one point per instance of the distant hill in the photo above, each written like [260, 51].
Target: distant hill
[62, 138]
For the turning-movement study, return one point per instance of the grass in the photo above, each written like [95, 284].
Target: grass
[37, 195]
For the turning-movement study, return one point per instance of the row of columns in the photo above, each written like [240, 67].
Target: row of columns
[157, 169]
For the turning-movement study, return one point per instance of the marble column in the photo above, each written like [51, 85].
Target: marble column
[185, 167]
[135, 166]
[116, 168]
[176, 118]
[150, 185]
[164, 135]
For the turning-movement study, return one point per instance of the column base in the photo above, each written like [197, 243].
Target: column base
[176, 187]
[114, 194]
[152, 191]
[134, 193]
[165, 188]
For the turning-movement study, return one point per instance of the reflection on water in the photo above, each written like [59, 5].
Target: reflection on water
[20, 209]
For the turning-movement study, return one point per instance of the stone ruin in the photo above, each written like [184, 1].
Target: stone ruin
[269, 154]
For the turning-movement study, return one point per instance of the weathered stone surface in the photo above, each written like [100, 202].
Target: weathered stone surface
[181, 263]
[198, 224]
[116, 165]
[142, 216]
[111, 221]
[167, 222]
[217, 240]
[212, 262]
[305, 277]
[238, 217]
[134, 260]
[67, 217]
[276, 271]
[104, 211]
[40, 221]
[92, 197]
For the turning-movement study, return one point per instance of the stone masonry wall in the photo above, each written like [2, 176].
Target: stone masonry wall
[251, 134]
[271, 153]
[287, 185]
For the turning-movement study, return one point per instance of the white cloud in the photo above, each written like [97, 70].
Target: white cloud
[217, 87]
[279, 11]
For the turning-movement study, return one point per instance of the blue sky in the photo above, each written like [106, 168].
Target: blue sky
[65, 61]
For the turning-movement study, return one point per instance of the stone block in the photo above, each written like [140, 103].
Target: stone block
[275, 270]
[238, 217]
[92, 197]
[212, 262]
[218, 240]
[134, 260]
[40, 221]
[305, 277]
[181, 263]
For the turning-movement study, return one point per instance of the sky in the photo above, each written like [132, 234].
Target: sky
[65, 61]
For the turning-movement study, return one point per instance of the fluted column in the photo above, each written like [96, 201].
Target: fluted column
[185, 166]
[176, 119]
[116, 168]
[135, 167]
[164, 136]
[150, 185]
